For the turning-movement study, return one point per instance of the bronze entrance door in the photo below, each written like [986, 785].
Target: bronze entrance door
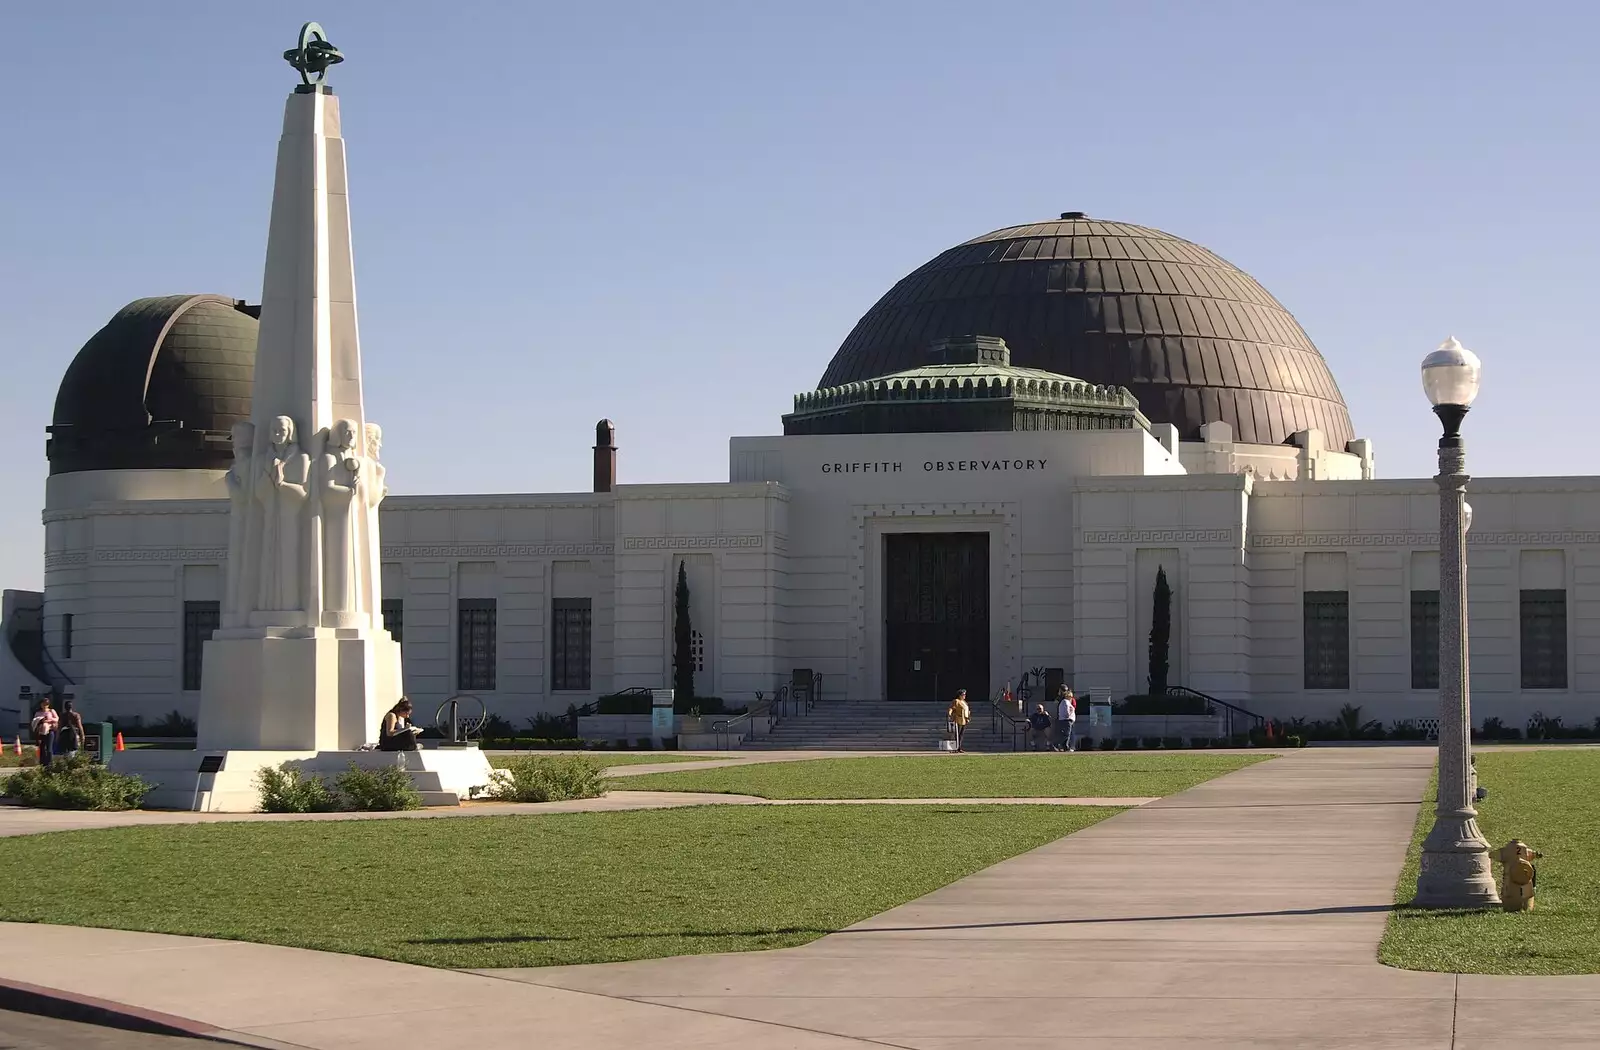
[936, 615]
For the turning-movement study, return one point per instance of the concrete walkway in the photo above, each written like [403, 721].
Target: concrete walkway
[1243, 913]
[16, 820]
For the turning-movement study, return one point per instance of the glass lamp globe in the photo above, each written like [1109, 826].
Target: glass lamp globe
[1466, 517]
[1450, 374]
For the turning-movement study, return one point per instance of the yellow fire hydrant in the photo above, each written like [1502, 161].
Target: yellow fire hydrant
[1518, 875]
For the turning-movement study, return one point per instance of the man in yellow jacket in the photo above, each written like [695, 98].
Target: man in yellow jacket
[959, 714]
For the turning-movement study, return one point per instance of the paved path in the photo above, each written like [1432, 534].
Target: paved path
[15, 820]
[1243, 913]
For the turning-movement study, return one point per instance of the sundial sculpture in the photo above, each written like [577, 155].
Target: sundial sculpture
[301, 669]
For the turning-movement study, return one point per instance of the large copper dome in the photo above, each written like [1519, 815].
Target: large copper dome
[158, 387]
[1193, 338]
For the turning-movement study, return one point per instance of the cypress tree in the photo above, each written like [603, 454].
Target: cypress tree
[1160, 634]
[682, 645]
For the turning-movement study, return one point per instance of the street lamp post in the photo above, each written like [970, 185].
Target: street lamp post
[1455, 856]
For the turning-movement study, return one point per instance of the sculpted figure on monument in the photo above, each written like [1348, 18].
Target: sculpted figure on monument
[282, 487]
[240, 592]
[373, 488]
[339, 482]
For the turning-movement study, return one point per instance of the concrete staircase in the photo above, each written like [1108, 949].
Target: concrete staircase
[875, 726]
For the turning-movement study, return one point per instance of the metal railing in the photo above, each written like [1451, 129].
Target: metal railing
[727, 728]
[1000, 718]
[1251, 720]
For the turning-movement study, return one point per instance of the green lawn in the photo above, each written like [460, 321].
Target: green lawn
[1551, 801]
[523, 890]
[1108, 774]
[607, 759]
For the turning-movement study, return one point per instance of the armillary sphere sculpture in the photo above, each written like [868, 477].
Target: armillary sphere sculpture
[314, 55]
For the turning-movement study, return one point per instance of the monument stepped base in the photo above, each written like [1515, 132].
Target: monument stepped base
[445, 776]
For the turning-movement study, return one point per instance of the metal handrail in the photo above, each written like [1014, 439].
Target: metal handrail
[1256, 721]
[997, 712]
[724, 729]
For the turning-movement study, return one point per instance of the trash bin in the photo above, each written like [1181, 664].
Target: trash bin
[97, 738]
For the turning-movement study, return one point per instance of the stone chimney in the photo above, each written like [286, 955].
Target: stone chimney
[605, 456]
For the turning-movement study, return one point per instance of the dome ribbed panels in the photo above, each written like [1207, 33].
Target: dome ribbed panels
[1193, 338]
[158, 387]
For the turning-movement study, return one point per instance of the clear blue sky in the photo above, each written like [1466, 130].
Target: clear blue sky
[672, 213]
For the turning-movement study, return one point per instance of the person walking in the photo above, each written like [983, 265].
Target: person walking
[1039, 729]
[1066, 717]
[959, 715]
[44, 725]
[70, 739]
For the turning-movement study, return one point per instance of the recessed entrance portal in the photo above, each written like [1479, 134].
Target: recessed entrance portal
[936, 614]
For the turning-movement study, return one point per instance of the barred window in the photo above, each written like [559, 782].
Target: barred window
[1327, 639]
[475, 653]
[1424, 639]
[200, 619]
[1544, 639]
[571, 643]
[394, 618]
[697, 650]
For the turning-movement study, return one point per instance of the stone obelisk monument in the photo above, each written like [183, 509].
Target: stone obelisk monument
[301, 661]
[301, 669]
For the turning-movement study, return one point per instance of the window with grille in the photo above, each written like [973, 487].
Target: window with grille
[571, 640]
[394, 618]
[1544, 639]
[200, 619]
[697, 650]
[1327, 639]
[475, 650]
[1424, 639]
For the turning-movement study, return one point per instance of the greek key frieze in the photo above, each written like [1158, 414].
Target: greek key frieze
[1160, 536]
[496, 550]
[682, 543]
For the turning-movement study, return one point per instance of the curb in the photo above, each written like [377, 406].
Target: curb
[22, 997]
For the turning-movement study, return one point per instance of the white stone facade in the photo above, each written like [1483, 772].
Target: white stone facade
[785, 567]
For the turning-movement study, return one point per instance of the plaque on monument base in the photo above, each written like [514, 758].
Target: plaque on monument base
[225, 781]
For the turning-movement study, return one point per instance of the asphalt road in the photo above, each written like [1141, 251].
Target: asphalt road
[31, 1032]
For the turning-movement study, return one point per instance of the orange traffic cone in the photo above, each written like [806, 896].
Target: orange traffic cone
[19, 745]
[120, 745]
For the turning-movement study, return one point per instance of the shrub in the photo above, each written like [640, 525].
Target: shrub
[645, 743]
[75, 783]
[1406, 729]
[1172, 743]
[1150, 743]
[1295, 740]
[1241, 739]
[548, 778]
[1200, 743]
[632, 702]
[380, 790]
[1349, 725]
[497, 728]
[1108, 744]
[287, 790]
[1541, 727]
[548, 726]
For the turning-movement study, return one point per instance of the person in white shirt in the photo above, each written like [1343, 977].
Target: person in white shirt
[1066, 717]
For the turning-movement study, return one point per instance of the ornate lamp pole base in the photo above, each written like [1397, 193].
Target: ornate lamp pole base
[1456, 872]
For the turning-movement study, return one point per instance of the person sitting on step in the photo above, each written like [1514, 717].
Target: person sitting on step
[397, 733]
